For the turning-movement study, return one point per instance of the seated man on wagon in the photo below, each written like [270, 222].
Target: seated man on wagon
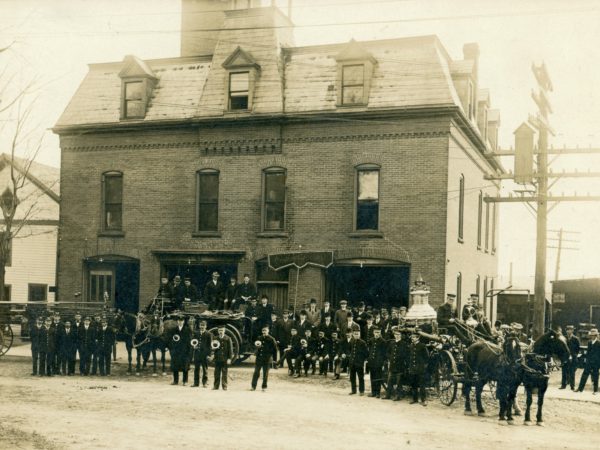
[446, 318]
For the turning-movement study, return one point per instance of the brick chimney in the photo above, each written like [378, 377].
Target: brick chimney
[208, 15]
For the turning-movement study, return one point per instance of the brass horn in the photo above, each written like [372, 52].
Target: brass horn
[176, 338]
[194, 342]
[258, 344]
[215, 345]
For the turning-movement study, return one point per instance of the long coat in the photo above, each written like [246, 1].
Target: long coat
[179, 349]
[417, 358]
[358, 353]
[203, 349]
[267, 352]
[225, 350]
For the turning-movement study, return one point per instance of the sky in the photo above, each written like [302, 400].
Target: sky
[51, 43]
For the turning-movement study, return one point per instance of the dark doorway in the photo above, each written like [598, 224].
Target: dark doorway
[377, 286]
[199, 274]
[127, 287]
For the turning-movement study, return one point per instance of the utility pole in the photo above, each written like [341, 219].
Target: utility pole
[539, 198]
[560, 247]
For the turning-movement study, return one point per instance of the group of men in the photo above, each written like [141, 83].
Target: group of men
[216, 295]
[592, 361]
[55, 345]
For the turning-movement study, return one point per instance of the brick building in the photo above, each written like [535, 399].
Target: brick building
[371, 154]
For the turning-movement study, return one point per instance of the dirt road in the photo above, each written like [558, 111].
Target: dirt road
[129, 412]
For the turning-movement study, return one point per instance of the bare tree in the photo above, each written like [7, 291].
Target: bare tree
[21, 193]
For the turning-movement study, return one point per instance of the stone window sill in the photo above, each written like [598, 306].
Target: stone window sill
[111, 233]
[366, 234]
[273, 234]
[206, 234]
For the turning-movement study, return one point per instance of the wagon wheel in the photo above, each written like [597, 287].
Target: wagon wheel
[6, 338]
[235, 342]
[446, 383]
[239, 356]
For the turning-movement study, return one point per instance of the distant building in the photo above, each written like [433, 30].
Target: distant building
[31, 269]
[576, 301]
[246, 146]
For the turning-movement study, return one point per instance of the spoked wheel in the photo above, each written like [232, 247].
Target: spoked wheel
[446, 383]
[6, 338]
[235, 341]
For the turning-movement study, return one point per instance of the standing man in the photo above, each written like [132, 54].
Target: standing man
[50, 347]
[326, 311]
[341, 314]
[570, 367]
[417, 362]
[177, 292]
[213, 292]
[397, 356]
[356, 362]
[179, 347]
[375, 361]
[57, 329]
[87, 340]
[106, 340]
[264, 312]
[266, 353]
[201, 353]
[222, 357]
[68, 349]
[231, 294]
[592, 361]
[313, 314]
[246, 290]
[36, 335]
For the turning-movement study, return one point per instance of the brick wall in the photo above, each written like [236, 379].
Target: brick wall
[159, 195]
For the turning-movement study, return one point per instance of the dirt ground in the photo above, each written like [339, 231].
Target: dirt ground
[145, 412]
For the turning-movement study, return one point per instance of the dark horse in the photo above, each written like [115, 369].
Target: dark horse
[487, 362]
[536, 367]
[134, 331]
[505, 365]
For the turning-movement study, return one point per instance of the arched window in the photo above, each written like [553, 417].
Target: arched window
[274, 195]
[367, 197]
[112, 201]
[207, 194]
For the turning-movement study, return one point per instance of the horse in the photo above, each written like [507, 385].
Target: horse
[157, 342]
[485, 362]
[535, 369]
[133, 330]
[509, 379]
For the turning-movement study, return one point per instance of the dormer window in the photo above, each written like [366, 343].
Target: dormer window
[137, 82]
[239, 83]
[353, 84]
[354, 73]
[134, 100]
[242, 73]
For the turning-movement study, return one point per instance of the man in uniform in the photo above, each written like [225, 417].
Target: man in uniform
[213, 292]
[326, 311]
[68, 349]
[35, 336]
[341, 315]
[310, 357]
[446, 318]
[592, 361]
[323, 352]
[87, 340]
[375, 361]
[417, 362]
[231, 294]
[201, 353]
[251, 313]
[178, 294]
[179, 348]
[327, 326]
[57, 329]
[570, 367]
[50, 347]
[189, 291]
[264, 312]
[293, 350]
[356, 362]
[344, 348]
[222, 358]
[246, 290]
[367, 330]
[266, 353]
[44, 344]
[333, 351]
[397, 354]
[106, 340]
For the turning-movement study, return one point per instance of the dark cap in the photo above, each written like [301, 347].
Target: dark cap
[221, 325]
[361, 304]
[313, 300]
[265, 326]
[343, 302]
[303, 312]
[246, 275]
[376, 328]
[450, 295]
[350, 314]
[569, 327]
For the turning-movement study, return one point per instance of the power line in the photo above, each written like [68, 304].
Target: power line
[328, 24]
